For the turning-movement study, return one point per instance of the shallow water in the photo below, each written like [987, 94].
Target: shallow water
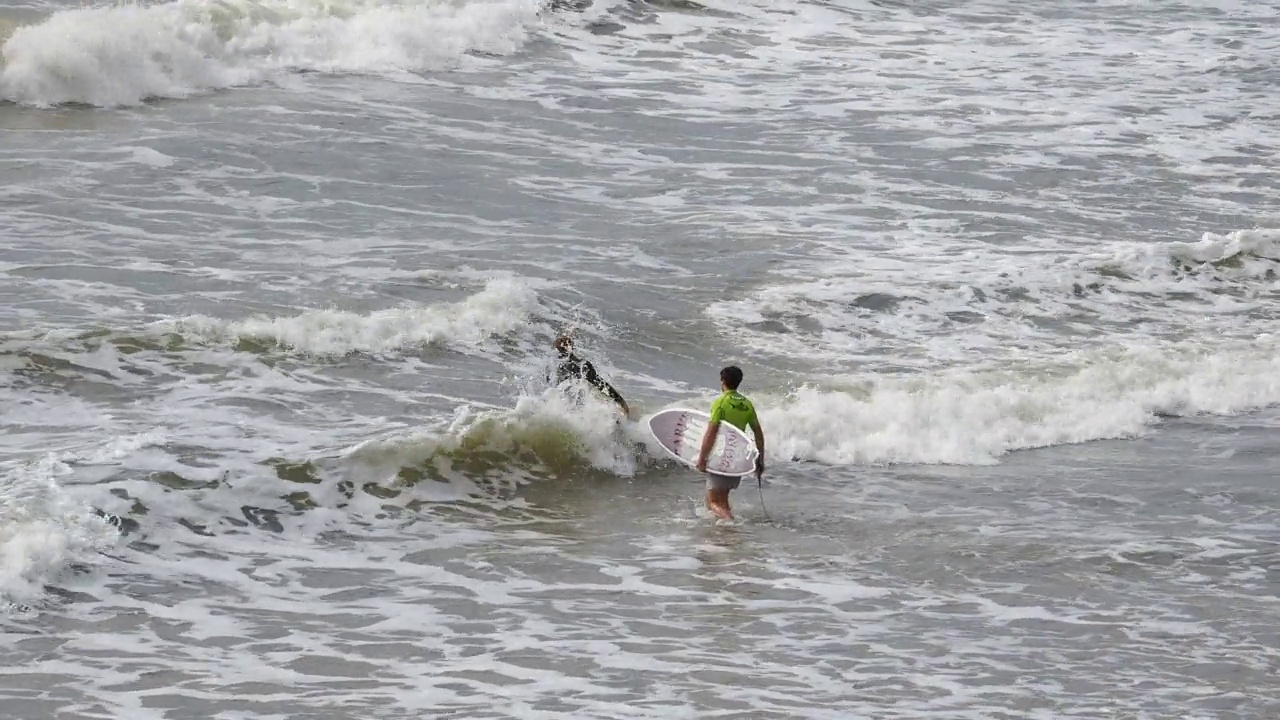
[279, 284]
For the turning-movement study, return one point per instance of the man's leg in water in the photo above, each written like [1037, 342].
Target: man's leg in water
[718, 503]
[718, 487]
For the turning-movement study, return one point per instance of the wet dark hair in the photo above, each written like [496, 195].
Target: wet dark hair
[731, 376]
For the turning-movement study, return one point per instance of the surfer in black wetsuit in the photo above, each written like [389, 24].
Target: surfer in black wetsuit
[571, 366]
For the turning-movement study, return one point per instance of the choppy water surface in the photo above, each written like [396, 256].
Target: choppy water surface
[279, 280]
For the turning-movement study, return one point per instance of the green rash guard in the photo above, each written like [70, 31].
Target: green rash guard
[734, 409]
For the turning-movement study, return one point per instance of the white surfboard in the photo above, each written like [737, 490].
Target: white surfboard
[680, 433]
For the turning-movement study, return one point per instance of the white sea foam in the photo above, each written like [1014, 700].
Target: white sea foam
[124, 54]
[975, 417]
[503, 306]
[901, 306]
[43, 530]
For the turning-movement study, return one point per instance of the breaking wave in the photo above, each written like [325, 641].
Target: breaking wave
[124, 54]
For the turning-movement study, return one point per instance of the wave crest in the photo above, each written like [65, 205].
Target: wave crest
[502, 307]
[125, 54]
[974, 418]
[555, 431]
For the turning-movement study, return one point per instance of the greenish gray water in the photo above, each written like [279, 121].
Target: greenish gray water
[279, 283]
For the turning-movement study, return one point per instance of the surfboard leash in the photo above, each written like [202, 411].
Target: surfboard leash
[760, 487]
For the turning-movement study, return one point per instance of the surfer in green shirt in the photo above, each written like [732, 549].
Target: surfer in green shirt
[735, 409]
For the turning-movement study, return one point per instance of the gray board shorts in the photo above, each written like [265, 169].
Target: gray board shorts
[722, 482]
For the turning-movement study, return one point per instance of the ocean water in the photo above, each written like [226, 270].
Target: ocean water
[278, 283]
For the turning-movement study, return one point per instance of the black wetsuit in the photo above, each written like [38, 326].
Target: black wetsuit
[573, 366]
